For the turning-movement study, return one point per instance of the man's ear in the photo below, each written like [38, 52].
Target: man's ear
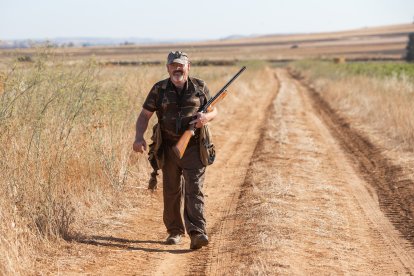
[189, 65]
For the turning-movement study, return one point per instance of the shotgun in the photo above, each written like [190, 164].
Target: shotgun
[181, 145]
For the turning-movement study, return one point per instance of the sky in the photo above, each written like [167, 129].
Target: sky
[193, 19]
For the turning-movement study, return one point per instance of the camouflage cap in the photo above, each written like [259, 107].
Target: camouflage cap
[177, 56]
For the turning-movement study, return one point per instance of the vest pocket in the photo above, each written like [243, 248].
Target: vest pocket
[207, 148]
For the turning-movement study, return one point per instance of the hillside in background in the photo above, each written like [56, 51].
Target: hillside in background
[68, 42]
[382, 43]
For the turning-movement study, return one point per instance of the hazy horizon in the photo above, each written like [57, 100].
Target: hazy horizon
[189, 20]
[195, 38]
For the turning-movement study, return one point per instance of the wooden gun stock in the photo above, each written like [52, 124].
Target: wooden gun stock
[182, 144]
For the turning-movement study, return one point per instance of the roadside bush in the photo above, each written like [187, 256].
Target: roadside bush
[25, 58]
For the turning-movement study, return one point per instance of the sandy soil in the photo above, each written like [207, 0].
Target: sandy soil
[284, 197]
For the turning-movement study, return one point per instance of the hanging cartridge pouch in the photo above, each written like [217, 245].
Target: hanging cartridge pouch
[207, 148]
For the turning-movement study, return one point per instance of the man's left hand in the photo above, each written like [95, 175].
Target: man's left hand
[200, 121]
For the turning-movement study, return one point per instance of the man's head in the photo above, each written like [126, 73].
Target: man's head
[178, 67]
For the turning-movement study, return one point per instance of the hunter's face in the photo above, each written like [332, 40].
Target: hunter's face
[178, 73]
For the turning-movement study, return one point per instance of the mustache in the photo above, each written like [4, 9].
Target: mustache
[178, 71]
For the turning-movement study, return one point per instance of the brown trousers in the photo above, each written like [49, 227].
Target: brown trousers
[193, 171]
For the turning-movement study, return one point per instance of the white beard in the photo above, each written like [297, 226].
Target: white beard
[178, 77]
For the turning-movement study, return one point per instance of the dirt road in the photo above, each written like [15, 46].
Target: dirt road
[283, 198]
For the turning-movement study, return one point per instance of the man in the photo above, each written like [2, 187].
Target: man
[176, 100]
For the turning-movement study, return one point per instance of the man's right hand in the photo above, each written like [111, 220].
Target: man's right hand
[139, 145]
[141, 125]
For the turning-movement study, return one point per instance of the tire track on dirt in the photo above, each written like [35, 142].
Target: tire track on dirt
[379, 173]
[230, 246]
[394, 190]
[220, 253]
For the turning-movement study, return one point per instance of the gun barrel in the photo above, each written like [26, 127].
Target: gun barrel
[206, 106]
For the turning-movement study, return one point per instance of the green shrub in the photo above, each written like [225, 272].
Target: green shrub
[371, 69]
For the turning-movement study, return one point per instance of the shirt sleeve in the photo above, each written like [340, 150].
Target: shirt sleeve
[150, 102]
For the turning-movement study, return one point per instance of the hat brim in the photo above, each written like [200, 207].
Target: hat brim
[178, 60]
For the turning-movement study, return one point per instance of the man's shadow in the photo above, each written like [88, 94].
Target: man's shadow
[125, 244]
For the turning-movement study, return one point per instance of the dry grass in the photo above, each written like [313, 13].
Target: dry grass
[66, 134]
[380, 103]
